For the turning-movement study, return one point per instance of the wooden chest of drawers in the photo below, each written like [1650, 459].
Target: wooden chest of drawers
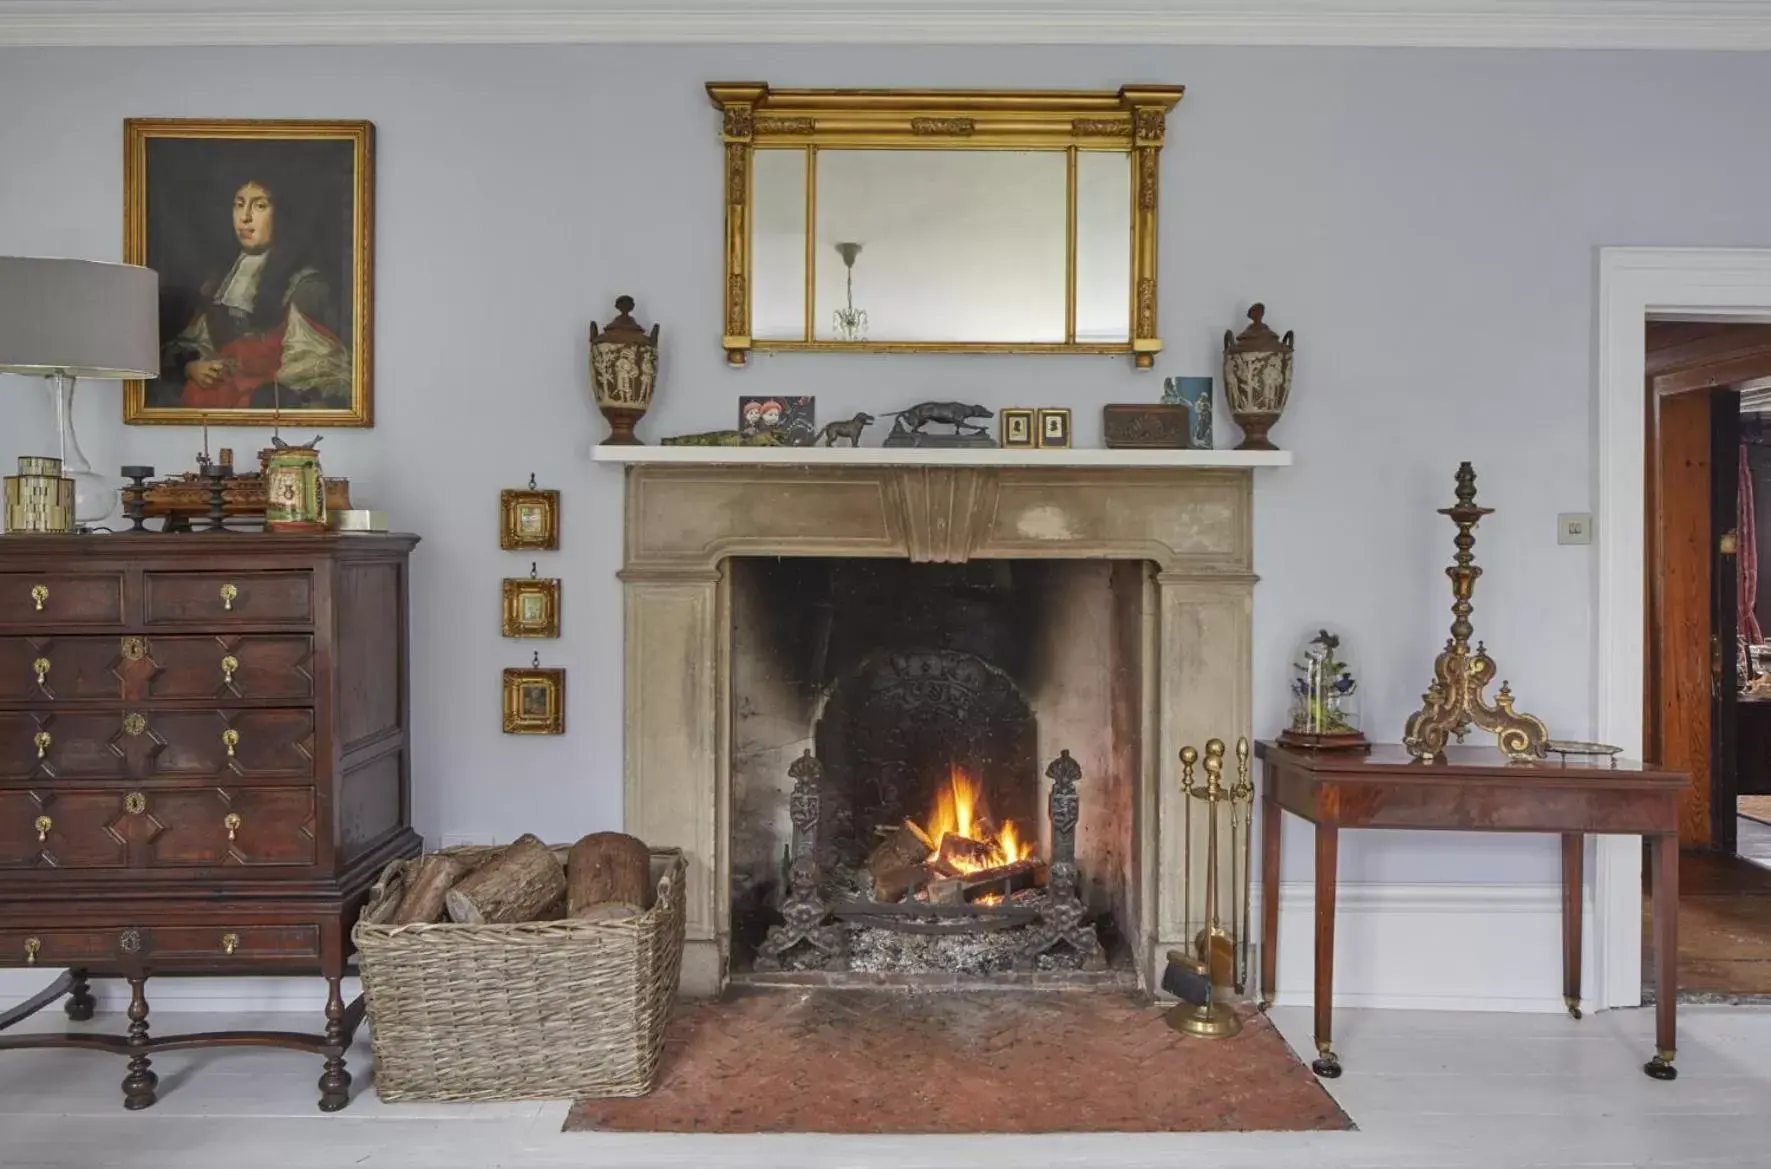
[203, 763]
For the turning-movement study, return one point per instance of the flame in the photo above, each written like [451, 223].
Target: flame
[961, 810]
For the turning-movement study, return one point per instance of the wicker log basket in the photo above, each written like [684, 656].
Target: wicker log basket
[539, 1010]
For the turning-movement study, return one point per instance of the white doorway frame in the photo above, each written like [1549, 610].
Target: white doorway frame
[1708, 283]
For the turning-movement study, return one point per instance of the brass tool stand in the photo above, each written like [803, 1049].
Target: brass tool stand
[1455, 701]
[1212, 1018]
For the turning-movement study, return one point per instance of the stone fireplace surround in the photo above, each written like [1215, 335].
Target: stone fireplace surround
[1191, 524]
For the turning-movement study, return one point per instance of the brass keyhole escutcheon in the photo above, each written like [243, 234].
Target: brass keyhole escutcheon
[229, 664]
[232, 823]
[134, 724]
[41, 667]
[135, 803]
[42, 739]
[230, 943]
[229, 594]
[129, 941]
[39, 594]
[231, 738]
[43, 825]
[32, 945]
[134, 649]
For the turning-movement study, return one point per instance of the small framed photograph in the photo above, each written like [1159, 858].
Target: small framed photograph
[1054, 427]
[531, 520]
[1017, 427]
[535, 701]
[531, 607]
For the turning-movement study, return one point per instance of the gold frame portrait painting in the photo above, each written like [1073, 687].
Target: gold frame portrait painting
[263, 235]
[535, 701]
[531, 607]
[1017, 427]
[529, 520]
[1053, 430]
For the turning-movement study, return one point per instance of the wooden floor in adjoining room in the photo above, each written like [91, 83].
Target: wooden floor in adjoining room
[1424, 1089]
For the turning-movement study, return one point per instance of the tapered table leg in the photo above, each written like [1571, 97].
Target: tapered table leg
[1327, 1064]
[1665, 863]
[1270, 845]
[1573, 855]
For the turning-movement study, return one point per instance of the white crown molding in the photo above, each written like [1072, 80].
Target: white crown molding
[1568, 24]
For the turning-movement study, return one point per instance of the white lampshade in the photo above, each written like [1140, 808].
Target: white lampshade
[79, 317]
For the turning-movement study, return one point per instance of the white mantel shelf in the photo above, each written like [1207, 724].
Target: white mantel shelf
[935, 457]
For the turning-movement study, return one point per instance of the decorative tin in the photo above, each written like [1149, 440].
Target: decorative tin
[1195, 394]
[623, 372]
[39, 498]
[1136, 426]
[295, 495]
[1257, 379]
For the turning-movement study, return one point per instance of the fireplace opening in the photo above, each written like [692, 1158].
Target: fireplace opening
[934, 767]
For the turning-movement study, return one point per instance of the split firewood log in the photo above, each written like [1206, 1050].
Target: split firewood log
[516, 885]
[959, 853]
[905, 847]
[608, 875]
[426, 887]
[897, 884]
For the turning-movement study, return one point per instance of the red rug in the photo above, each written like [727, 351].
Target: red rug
[884, 1062]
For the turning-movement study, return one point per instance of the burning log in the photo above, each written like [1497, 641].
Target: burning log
[897, 884]
[961, 855]
[897, 863]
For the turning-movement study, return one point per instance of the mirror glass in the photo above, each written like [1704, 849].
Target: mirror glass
[1103, 247]
[778, 245]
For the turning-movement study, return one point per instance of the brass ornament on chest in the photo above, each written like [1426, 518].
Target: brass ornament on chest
[129, 941]
[133, 649]
[41, 668]
[135, 803]
[134, 724]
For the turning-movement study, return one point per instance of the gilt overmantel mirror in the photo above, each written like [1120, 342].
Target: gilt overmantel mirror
[941, 220]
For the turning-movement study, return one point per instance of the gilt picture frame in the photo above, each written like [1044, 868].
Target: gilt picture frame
[1053, 427]
[531, 607]
[535, 701]
[1016, 423]
[529, 520]
[262, 232]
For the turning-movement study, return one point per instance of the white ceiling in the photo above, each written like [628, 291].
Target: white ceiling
[1581, 24]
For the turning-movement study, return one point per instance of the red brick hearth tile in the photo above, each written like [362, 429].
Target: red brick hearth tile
[863, 1061]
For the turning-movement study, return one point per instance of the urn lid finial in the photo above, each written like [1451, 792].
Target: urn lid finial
[624, 327]
[1258, 337]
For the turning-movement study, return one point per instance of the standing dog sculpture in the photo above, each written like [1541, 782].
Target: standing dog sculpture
[850, 430]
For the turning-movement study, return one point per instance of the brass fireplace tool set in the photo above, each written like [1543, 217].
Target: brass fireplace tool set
[1215, 966]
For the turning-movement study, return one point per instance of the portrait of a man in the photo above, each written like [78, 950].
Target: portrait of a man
[261, 233]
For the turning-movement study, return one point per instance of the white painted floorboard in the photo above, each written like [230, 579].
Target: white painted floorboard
[1425, 1089]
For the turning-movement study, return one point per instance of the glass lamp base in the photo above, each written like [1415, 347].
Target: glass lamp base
[95, 496]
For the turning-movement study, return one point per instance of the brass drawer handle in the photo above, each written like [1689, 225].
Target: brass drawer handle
[129, 941]
[231, 738]
[39, 594]
[232, 823]
[42, 739]
[134, 649]
[43, 825]
[134, 724]
[41, 666]
[229, 594]
[32, 945]
[230, 943]
[135, 803]
[229, 664]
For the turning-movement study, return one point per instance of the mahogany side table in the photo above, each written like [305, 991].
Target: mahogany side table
[1474, 789]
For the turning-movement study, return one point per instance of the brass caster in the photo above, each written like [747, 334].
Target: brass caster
[1328, 1067]
[1661, 1069]
[1573, 1006]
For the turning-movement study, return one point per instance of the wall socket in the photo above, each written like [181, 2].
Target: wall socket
[1574, 528]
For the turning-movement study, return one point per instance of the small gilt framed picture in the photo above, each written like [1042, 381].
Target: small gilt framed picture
[531, 607]
[1017, 427]
[1054, 427]
[530, 519]
[535, 701]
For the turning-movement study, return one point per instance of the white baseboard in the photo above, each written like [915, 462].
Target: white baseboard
[190, 994]
[1431, 947]
[1402, 947]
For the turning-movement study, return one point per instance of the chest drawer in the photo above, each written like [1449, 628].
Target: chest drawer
[146, 743]
[247, 667]
[44, 600]
[63, 830]
[211, 945]
[224, 598]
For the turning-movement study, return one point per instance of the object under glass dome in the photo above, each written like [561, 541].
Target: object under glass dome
[1324, 709]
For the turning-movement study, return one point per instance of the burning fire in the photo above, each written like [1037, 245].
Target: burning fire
[961, 811]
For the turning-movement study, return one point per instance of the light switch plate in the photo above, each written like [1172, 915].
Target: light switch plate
[1574, 528]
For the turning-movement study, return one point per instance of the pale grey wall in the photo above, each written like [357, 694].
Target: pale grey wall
[1426, 221]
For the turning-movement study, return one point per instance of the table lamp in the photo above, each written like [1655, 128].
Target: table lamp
[68, 319]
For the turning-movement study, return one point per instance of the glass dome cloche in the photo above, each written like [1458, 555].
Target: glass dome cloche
[1324, 707]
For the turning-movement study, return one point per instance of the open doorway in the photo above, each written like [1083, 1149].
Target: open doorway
[1707, 667]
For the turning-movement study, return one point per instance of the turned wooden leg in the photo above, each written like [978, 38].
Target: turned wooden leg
[80, 1004]
[335, 1082]
[139, 1084]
